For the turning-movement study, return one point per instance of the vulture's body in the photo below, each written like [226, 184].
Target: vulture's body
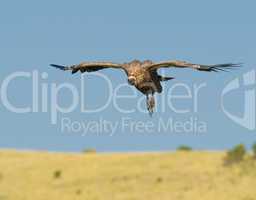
[143, 75]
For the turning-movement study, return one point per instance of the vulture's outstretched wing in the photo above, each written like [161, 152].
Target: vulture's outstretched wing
[183, 64]
[89, 66]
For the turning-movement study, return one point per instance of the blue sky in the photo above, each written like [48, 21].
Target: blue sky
[35, 34]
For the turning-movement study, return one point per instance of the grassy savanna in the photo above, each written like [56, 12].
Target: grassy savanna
[91, 176]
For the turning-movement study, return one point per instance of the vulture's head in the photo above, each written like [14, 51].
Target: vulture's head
[132, 80]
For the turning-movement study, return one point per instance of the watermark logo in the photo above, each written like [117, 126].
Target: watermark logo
[248, 120]
[45, 96]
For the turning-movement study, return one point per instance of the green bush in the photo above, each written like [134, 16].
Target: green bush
[57, 174]
[254, 150]
[235, 155]
[90, 150]
[184, 148]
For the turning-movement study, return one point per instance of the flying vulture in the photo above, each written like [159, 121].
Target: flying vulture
[143, 75]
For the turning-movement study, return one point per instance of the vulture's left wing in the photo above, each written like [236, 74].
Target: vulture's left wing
[200, 67]
[89, 66]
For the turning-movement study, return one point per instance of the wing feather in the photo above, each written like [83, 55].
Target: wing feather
[89, 66]
[200, 67]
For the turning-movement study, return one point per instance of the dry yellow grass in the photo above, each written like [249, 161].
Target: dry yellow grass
[138, 176]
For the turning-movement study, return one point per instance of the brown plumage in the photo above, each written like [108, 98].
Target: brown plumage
[143, 75]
